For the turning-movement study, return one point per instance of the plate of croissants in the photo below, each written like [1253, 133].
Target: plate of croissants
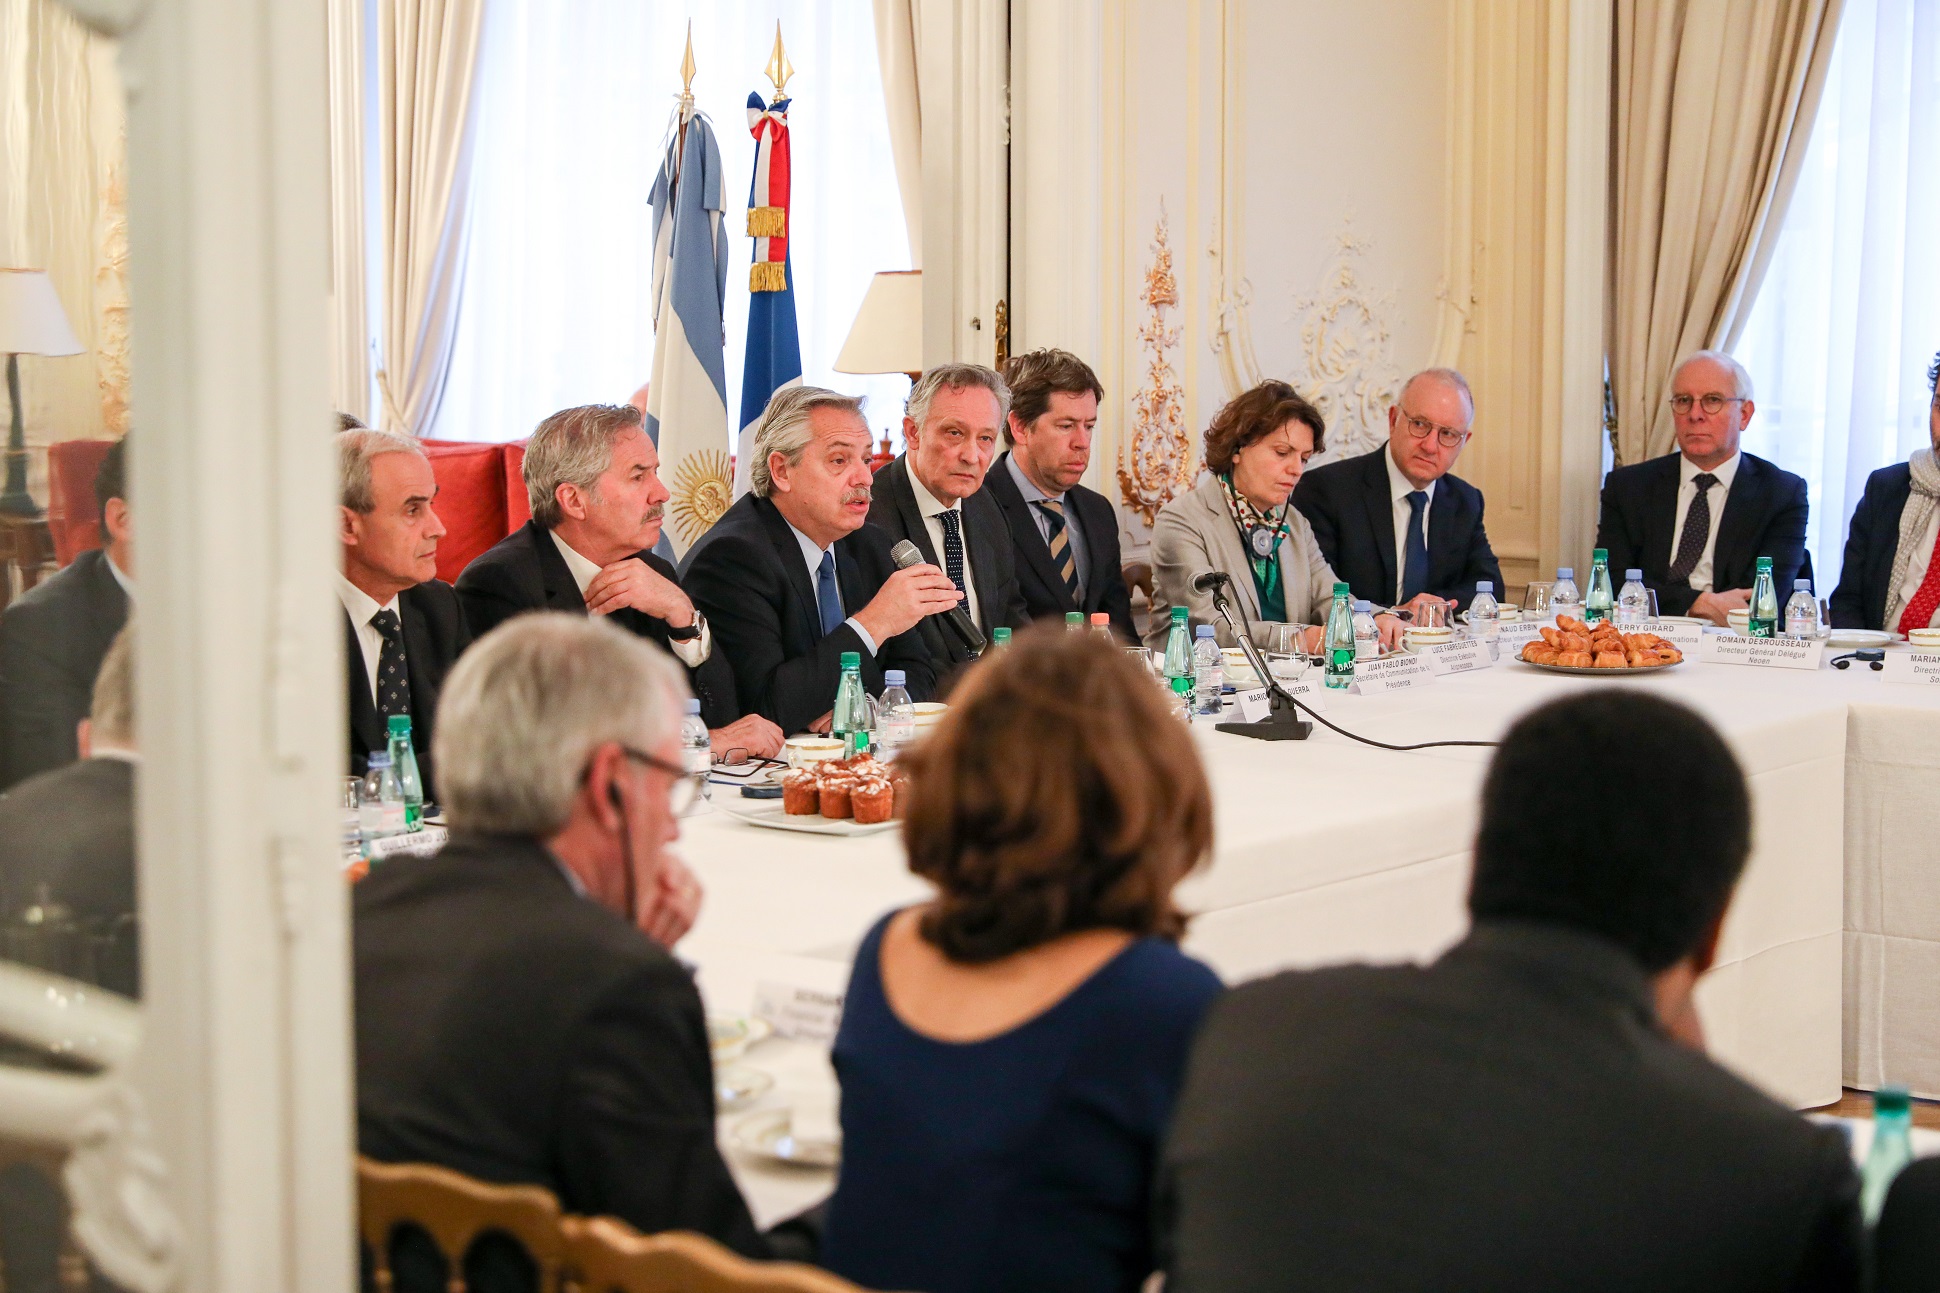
[1575, 647]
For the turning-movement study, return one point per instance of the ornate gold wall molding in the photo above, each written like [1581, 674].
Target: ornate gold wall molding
[1346, 361]
[1163, 461]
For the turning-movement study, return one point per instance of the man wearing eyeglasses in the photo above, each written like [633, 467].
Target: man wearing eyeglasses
[1696, 521]
[1394, 523]
[519, 1017]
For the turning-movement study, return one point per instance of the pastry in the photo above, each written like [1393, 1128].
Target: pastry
[801, 793]
[873, 800]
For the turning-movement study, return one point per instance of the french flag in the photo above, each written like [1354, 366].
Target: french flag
[774, 355]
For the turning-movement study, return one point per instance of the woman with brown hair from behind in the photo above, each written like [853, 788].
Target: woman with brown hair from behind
[1010, 1050]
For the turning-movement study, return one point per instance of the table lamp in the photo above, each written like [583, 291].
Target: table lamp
[887, 335]
[31, 323]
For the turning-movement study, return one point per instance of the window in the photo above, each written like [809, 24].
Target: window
[574, 109]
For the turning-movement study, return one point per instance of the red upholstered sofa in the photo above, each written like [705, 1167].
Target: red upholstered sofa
[481, 498]
[73, 518]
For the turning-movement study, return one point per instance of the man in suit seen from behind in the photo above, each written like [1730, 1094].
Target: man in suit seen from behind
[54, 637]
[405, 627]
[1696, 521]
[1533, 1111]
[1396, 523]
[932, 496]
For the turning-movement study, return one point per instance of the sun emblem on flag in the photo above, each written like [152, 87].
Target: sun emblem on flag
[703, 487]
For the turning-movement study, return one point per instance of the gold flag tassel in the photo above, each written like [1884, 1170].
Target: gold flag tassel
[767, 222]
[768, 276]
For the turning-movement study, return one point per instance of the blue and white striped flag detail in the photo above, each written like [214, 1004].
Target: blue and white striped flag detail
[774, 357]
[687, 398]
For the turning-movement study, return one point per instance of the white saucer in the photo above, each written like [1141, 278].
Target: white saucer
[770, 1135]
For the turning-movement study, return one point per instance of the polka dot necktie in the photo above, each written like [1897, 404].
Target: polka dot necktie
[953, 549]
[393, 675]
[1061, 554]
[1697, 529]
[1926, 598]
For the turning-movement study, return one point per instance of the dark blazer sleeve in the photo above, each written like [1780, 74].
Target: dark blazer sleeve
[1479, 561]
[489, 595]
[1784, 537]
[638, 1130]
[1101, 532]
[41, 697]
[1620, 531]
[1314, 498]
[1875, 521]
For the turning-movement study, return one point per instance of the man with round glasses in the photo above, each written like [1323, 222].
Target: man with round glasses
[1696, 521]
[1394, 523]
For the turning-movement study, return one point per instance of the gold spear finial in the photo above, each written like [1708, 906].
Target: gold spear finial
[779, 69]
[687, 70]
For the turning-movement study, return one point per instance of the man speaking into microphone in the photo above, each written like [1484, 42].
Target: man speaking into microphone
[792, 576]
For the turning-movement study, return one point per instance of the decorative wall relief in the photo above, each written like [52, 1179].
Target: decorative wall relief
[1157, 460]
[1349, 370]
[111, 297]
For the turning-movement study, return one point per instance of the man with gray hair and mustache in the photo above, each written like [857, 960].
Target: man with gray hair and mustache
[793, 577]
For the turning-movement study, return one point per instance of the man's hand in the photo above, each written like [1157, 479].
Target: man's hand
[671, 904]
[1414, 604]
[1392, 628]
[753, 737]
[1712, 606]
[823, 725]
[634, 583]
[904, 599]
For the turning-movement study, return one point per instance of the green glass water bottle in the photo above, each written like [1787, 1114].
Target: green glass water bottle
[1074, 621]
[404, 761]
[1339, 640]
[999, 637]
[1600, 602]
[849, 721]
[1764, 602]
[1178, 660]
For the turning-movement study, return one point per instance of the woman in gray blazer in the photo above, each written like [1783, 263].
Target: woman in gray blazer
[1238, 519]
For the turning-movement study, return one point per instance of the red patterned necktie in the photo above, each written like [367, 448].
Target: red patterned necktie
[1919, 611]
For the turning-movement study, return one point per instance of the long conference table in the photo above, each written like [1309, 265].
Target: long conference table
[1327, 850]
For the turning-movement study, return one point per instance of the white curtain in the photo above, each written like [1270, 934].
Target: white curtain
[1848, 319]
[427, 63]
[896, 54]
[575, 105]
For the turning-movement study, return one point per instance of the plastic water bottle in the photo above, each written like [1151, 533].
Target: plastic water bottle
[1484, 616]
[1178, 662]
[1338, 641]
[896, 716]
[1563, 597]
[696, 746]
[1367, 634]
[1764, 603]
[1101, 628]
[383, 805]
[999, 637]
[1633, 600]
[1802, 611]
[849, 720]
[1892, 1148]
[1599, 603]
[404, 761]
[1074, 621]
[1208, 672]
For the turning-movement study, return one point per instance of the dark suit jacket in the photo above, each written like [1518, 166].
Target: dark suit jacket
[1906, 1246]
[1764, 516]
[52, 641]
[72, 830]
[748, 577]
[993, 566]
[1351, 508]
[524, 572]
[1509, 1118]
[434, 636]
[1865, 581]
[513, 1031]
[1045, 596]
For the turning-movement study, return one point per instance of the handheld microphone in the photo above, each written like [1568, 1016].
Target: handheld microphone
[907, 554]
[1207, 580]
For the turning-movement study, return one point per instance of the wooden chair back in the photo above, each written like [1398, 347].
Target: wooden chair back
[454, 1210]
[605, 1255]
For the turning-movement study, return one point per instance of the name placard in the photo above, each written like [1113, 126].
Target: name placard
[1682, 636]
[1254, 706]
[1913, 667]
[1308, 692]
[804, 1014]
[1511, 638]
[1763, 653]
[1395, 673]
[1457, 657]
[422, 843]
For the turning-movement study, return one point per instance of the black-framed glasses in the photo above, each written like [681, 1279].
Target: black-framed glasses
[1419, 428]
[686, 786]
[1712, 403]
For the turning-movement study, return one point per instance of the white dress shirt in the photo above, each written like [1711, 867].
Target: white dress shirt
[932, 512]
[362, 607]
[1687, 472]
[813, 556]
[1916, 568]
[693, 653]
[1399, 487]
[121, 577]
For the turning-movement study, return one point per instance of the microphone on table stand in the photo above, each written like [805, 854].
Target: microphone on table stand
[907, 554]
[1284, 723]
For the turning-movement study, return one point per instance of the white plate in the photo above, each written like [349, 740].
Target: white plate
[1598, 673]
[1684, 619]
[738, 1086]
[770, 1135]
[1860, 639]
[771, 814]
[729, 1036]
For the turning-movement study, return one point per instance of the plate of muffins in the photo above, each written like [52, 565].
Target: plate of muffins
[855, 796]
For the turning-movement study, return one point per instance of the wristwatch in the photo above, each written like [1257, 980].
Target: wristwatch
[691, 632]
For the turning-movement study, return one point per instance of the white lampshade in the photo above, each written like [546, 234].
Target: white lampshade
[31, 319]
[887, 335]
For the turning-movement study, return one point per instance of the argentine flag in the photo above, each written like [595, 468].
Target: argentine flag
[774, 357]
[687, 398]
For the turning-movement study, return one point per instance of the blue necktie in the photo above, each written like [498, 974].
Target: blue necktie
[826, 598]
[1414, 566]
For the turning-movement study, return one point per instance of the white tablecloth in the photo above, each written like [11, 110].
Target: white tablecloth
[1327, 850]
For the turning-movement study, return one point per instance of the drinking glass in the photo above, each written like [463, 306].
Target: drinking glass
[1431, 615]
[1535, 601]
[1651, 595]
[352, 827]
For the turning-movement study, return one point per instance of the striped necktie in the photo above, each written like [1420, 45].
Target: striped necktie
[1061, 555]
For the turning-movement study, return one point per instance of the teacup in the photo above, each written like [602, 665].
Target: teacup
[1238, 669]
[929, 713]
[1739, 618]
[803, 751]
[1417, 638]
[1924, 639]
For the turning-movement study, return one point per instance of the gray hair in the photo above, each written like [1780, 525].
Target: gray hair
[784, 429]
[572, 447]
[1447, 377]
[355, 451]
[1740, 377]
[111, 716]
[529, 703]
[956, 377]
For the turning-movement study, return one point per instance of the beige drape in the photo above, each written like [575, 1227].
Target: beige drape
[896, 53]
[1714, 104]
[427, 63]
